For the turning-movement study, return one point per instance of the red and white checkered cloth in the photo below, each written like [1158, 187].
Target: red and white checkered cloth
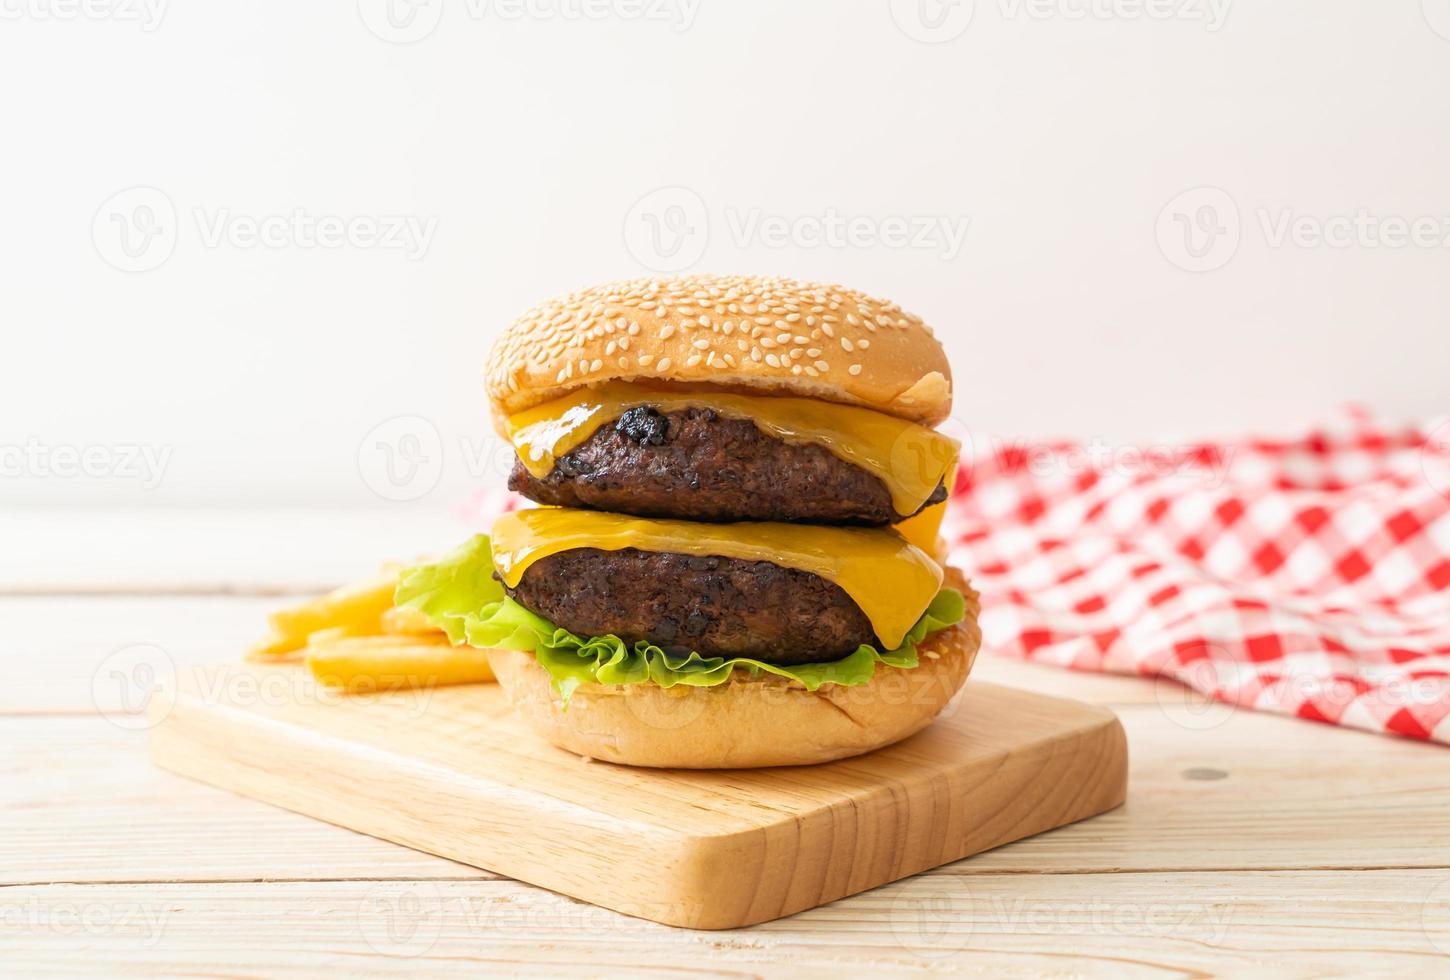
[1306, 576]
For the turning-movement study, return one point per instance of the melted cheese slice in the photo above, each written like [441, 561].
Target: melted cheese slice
[909, 458]
[924, 529]
[891, 580]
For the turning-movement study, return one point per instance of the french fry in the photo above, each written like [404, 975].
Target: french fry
[407, 621]
[371, 664]
[357, 608]
[274, 646]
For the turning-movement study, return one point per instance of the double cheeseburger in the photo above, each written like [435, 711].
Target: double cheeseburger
[737, 562]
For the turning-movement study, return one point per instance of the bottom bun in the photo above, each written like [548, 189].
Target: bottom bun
[746, 722]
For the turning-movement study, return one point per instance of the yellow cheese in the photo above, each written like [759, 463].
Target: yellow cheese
[924, 529]
[891, 580]
[910, 459]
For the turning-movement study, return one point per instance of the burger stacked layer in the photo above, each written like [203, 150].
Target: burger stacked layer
[737, 561]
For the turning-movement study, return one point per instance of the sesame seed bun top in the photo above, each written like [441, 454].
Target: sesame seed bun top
[756, 333]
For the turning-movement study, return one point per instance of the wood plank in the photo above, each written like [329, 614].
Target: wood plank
[80, 802]
[452, 771]
[212, 550]
[54, 647]
[58, 650]
[1295, 924]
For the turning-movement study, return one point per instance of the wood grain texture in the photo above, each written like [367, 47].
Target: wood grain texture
[1327, 850]
[80, 802]
[212, 550]
[451, 772]
[52, 647]
[1160, 926]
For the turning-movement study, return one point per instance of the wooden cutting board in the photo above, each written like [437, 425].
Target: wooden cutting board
[450, 772]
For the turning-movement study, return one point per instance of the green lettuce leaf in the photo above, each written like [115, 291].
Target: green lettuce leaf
[459, 595]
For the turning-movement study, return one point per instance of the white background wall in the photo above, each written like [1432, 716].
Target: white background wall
[536, 146]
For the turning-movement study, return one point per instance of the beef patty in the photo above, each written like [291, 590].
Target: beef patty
[697, 465]
[724, 607]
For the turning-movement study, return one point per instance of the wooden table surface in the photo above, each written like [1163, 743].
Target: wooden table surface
[1249, 843]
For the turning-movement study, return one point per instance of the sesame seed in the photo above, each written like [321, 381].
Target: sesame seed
[692, 360]
[772, 360]
[558, 337]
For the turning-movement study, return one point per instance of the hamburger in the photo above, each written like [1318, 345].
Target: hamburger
[735, 561]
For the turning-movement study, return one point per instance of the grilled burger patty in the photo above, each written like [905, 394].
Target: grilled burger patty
[698, 465]
[722, 607]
